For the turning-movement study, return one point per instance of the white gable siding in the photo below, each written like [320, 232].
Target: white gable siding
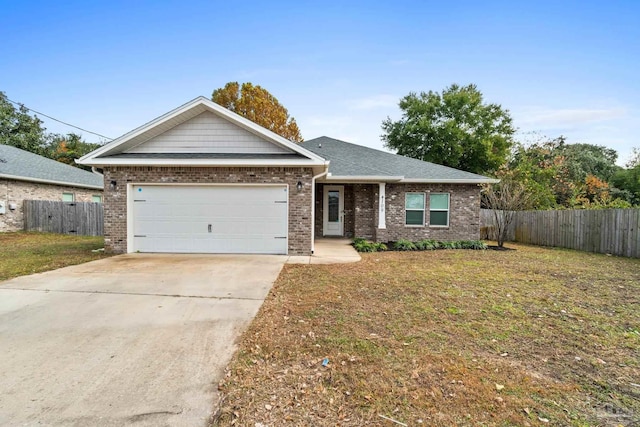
[207, 133]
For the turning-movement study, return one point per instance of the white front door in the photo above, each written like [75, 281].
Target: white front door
[333, 210]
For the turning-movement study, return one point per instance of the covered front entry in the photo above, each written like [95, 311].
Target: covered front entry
[333, 212]
[351, 206]
[249, 219]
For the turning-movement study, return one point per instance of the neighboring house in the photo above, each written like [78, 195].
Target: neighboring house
[203, 179]
[28, 176]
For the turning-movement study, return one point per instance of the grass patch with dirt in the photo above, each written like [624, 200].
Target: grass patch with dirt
[23, 253]
[535, 336]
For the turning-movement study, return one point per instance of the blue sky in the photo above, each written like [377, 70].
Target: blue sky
[561, 67]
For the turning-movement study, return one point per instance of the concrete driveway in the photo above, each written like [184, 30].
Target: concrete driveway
[136, 339]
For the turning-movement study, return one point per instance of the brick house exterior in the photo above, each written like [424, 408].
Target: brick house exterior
[202, 144]
[361, 212]
[115, 200]
[15, 192]
[28, 176]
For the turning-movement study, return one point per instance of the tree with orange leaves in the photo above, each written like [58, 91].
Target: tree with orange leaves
[258, 105]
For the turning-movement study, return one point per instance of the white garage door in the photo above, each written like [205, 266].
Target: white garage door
[210, 219]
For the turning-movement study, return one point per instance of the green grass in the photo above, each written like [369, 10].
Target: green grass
[428, 335]
[24, 253]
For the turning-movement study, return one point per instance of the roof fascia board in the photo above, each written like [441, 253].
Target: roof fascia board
[49, 181]
[451, 181]
[403, 180]
[363, 178]
[203, 162]
[216, 109]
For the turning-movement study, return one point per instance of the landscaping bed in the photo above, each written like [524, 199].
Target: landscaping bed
[403, 245]
[537, 336]
[23, 253]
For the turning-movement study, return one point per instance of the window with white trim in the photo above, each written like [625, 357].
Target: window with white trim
[439, 209]
[414, 209]
[96, 198]
[68, 197]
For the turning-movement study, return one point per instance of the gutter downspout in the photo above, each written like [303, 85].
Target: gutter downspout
[313, 206]
[93, 169]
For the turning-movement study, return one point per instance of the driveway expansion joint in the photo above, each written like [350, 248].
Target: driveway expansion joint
[130, 293]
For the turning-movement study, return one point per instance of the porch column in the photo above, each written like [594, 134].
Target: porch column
[381, 211]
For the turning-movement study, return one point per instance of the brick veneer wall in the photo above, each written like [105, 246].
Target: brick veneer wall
[12, 191]
[464, 213]
[365, 210]
[115, 201]
[349, 211]
[361, 212]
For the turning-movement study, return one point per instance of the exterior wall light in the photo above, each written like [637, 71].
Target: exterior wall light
[299, 186]
[112, 185]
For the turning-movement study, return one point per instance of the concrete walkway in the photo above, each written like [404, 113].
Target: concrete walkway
[329, 251]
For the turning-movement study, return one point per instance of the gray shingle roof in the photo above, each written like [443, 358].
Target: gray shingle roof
[348, 159]
[19, 164]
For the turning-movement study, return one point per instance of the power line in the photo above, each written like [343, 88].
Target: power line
[59, 121]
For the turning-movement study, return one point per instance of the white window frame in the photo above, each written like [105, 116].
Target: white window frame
[448, 210]
[73, 197]
[424, 209]
[96, 196]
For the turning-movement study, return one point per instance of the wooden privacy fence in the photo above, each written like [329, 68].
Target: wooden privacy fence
[607, 231]
[80, 218]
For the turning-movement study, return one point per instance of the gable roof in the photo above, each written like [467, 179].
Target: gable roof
[25, 166]
[130, 148]
[351, 162]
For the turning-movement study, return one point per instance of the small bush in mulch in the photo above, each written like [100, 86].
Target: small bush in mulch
[363, 245]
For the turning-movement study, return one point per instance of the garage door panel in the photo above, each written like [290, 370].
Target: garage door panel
[243, 219]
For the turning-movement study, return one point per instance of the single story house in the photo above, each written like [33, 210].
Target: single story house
[203, 179]
[28, 176]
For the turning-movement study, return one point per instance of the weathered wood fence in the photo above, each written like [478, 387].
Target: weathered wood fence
[80, 218]
[608, 231]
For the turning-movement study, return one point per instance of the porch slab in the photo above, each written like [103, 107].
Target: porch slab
[329, 251]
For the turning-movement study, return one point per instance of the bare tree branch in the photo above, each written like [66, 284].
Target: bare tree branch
[505, 198]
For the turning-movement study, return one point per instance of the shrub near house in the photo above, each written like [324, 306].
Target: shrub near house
[363, 245]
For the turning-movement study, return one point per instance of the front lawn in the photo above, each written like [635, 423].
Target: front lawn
[535, 336]
[27, 253]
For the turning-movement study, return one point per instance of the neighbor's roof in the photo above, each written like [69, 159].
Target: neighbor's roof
[351, 162]
[25, 166]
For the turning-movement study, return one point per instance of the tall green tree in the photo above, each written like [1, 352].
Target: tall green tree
[634, 159]
[68, 148]
[454, 128]
[19, 129]
[627, 180]
[258, 105]
[557, 174]
[537, 170]
[583, 160]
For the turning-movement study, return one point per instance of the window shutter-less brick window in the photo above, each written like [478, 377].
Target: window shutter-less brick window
[439, 209]
[414, 208]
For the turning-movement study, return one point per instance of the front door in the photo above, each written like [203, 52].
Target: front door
[333, 212]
